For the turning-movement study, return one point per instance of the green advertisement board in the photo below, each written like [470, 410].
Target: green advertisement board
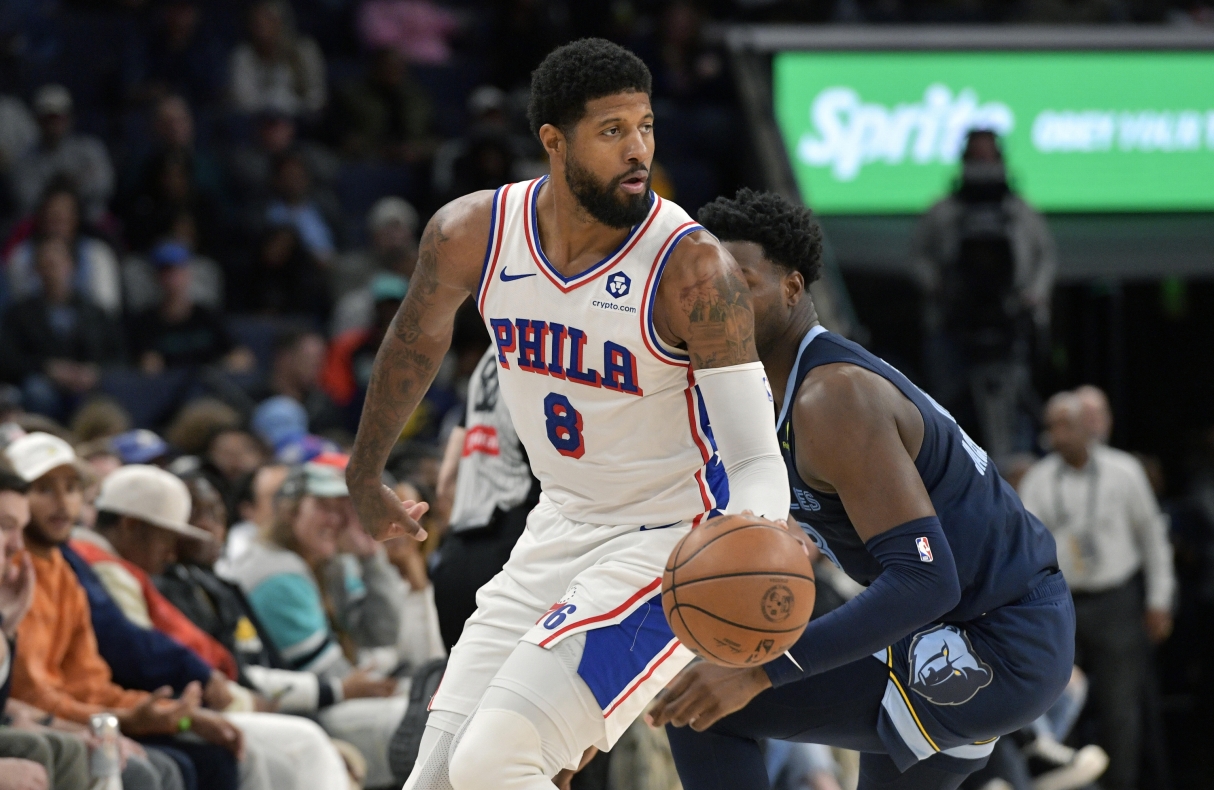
[882, 132]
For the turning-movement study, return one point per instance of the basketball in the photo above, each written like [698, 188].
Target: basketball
[738, 590]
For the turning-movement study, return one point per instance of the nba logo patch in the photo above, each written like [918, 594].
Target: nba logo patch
[925, 549]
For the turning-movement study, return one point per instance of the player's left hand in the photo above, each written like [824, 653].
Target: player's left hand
[703, 694]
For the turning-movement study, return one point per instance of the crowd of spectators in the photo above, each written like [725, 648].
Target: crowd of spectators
[209, 212]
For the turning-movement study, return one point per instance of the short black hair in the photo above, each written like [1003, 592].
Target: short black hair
[11, 482]
[581, 71]
[788, 233]
[106, 520]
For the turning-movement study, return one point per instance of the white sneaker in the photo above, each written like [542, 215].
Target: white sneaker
[1050, 750]
[997, 784]
[1086, 766]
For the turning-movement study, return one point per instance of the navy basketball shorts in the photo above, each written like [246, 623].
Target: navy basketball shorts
[941, 696]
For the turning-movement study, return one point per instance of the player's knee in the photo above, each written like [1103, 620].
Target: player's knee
[499, 749]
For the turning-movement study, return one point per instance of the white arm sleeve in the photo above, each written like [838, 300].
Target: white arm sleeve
[740, 412]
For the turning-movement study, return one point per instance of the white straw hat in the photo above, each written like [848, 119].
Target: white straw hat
[149, 494]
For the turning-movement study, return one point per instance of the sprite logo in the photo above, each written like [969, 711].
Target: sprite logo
[849, 133]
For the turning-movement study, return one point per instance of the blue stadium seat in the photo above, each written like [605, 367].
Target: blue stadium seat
[257, 333]
[360, 184]
[150, 400]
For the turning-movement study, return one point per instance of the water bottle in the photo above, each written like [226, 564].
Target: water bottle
[105, 762]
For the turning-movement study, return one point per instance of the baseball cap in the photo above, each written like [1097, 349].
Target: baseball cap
[139, 446]
[388, 287]
[149, 494]
[320, 479]
[52, 100]
[393, 209]
[35, 454]
[279, 420]
[170, 253]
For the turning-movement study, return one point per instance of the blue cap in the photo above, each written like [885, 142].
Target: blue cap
[279, 420]
[304, 448]
[139, 446]
[170, 253]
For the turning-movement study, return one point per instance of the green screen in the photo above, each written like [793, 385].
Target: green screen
[1082, 131]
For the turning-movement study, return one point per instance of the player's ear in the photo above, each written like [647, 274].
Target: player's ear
[553, 140]
[794, 288]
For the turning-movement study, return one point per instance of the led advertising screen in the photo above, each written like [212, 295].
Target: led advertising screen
[882, 132]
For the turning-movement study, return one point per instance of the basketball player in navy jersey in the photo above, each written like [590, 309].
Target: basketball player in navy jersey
[966, 629]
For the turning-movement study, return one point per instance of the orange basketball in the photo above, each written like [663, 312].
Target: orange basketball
[738, 590]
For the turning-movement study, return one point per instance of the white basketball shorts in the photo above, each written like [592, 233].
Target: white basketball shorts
[564, 578]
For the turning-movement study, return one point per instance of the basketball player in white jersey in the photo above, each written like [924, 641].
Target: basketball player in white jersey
[623, 332]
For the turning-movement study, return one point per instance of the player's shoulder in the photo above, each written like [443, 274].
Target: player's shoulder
[841, 396]
[456, 237]
[464, 219]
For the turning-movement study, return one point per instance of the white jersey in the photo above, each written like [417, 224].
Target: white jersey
[613, 425]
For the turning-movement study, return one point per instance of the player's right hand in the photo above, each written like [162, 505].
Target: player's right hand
[385, 516]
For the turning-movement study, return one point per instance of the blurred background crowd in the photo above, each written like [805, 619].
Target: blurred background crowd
[210, 211]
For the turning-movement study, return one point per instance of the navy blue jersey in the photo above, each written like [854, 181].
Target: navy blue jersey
[1002, 552]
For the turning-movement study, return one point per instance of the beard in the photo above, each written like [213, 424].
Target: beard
[601, 201]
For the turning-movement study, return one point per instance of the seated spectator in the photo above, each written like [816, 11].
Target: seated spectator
[56, 342]
[100, 418]
[420, 638]
[385, 113]
[141, 512]
[172, 181]
[313, 215]
[252, 513]
[488, 119]
[234, 453]
[280, 574]
[198, 422]
[284, 279]
[392, 225]
[18, 131]
[174, 57]
[60, 152]
[251, 166]
[221, 609]
[58, 217]
[277, 68]
[487, 160]
[299, 358]
[282, 423]
[59, 668]
[28, 758]
[347, 368]
[180, 332]
[140, 284]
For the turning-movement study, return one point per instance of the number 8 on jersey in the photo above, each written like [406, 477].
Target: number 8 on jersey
[564, 424]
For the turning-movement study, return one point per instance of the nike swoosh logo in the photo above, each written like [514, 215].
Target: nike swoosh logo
[663, 526]
[508, 277]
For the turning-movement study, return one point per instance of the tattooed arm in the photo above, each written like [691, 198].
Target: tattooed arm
[704, 304]
[448, 269]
